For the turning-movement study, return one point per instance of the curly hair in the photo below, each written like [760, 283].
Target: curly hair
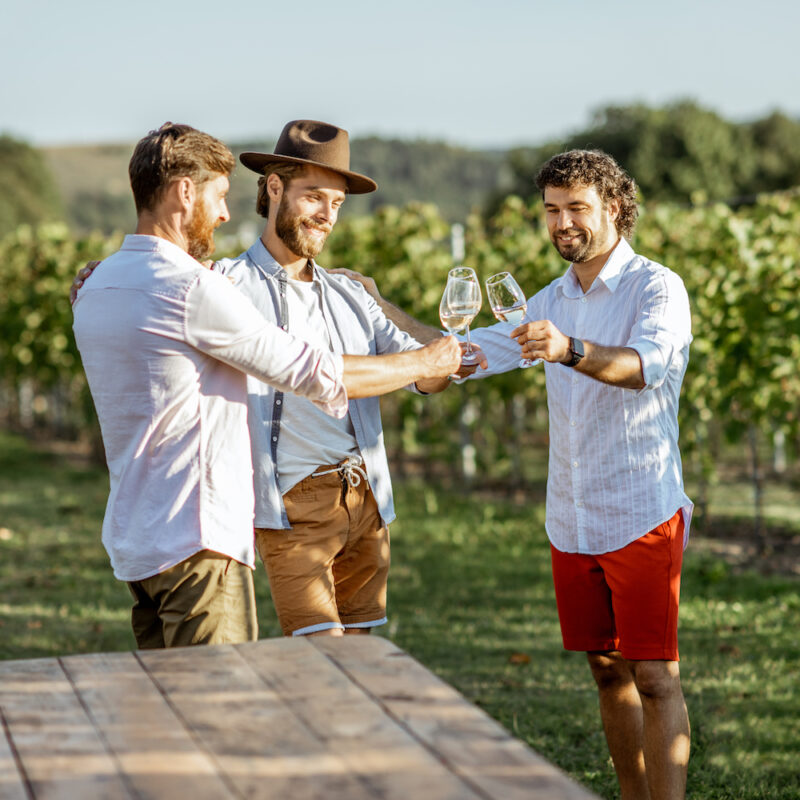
[598, 169]
[174, 151]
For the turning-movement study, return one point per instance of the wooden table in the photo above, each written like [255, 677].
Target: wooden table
[280, 718]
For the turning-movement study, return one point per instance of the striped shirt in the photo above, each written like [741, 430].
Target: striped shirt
[614, 465]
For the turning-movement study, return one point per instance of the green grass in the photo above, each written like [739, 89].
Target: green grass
[471, 597]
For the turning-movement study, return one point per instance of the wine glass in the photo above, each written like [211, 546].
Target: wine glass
[508, 303]
[461, 301]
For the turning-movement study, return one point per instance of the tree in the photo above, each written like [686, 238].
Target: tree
[680, 152]
[777, 143]
[28, 193]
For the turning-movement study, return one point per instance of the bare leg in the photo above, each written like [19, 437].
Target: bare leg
[621, 712]
[666, 727]
[327, 632]
[340, 632]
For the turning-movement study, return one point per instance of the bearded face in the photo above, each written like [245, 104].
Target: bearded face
[578, 244]
[200, 231]
[301, 234]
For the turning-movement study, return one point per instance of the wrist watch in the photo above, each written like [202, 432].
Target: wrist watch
[575, 352]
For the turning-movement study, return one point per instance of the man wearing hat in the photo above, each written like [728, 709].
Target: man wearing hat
[323, 491]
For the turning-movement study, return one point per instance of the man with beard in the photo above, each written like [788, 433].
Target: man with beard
[166, 344]
[323, 491]
[614, 333]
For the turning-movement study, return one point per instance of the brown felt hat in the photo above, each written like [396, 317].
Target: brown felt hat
[305, 141]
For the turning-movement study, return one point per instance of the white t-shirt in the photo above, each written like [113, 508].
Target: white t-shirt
[309, 438]
[165, 344]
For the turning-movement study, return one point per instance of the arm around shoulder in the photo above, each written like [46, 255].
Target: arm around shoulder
[405, 322]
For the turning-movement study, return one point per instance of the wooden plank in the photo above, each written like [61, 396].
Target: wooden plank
[259, 745]
[60, 751]
[155, 752]
[374, 747]
[475, 747]
[12, 783]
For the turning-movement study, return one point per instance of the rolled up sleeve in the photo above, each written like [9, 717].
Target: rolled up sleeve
[663, 327]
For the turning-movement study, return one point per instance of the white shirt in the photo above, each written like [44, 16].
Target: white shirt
[615, 467]
[165, 344]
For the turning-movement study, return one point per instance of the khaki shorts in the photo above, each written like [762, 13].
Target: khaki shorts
[206, 599]
[329, 570]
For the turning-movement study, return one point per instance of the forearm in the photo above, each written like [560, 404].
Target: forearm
[419, 330]
[616, 366]
[369, 376]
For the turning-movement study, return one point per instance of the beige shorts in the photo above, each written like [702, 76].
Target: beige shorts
[206, 599]
[329, 570]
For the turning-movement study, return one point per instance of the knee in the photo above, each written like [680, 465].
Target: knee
[656, 679]
[609, 669]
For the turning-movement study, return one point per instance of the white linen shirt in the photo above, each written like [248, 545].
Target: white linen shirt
[614, 467]
[165, 344]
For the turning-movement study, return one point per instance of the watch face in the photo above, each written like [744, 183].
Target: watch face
[577, 347]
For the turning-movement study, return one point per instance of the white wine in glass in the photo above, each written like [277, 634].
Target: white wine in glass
[508, 303]
[460, 303]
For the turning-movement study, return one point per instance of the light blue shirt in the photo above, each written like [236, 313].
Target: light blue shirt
[356, 326]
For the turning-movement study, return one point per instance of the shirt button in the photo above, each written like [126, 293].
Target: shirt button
[574, 463]
[579, 504]
[583, 299]
[274, 438]
[278, 402]
[574, 378]
[572, 424]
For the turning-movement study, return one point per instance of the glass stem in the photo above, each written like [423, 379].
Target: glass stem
[469, 343]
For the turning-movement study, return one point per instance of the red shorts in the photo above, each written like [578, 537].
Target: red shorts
[626, 600]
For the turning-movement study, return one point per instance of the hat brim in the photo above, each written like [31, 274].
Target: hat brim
[258, 162]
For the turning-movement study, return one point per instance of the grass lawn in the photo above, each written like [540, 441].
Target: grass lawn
[470, 597]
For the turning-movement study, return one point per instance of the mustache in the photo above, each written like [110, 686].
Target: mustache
[570, 232]
[308, 222]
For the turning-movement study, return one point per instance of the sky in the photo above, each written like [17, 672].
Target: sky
[488, 73]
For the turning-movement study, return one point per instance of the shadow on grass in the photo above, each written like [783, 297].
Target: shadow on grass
[471, 596]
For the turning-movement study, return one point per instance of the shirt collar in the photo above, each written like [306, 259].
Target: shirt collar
[610, 275]
[265, 262]
[142, 242]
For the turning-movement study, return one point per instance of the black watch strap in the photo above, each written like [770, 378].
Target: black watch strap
[575, 351]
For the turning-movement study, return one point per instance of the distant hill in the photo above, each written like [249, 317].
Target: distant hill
[93, 180]
[680, 152]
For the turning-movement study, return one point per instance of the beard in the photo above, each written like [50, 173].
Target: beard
[585, 245]
[200, 232]
[578, 250]
[291, 231]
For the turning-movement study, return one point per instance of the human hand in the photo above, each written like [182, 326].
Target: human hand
[82, 274]
[465, 370]
[367, 282]
[542, 339]
[441, 357]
